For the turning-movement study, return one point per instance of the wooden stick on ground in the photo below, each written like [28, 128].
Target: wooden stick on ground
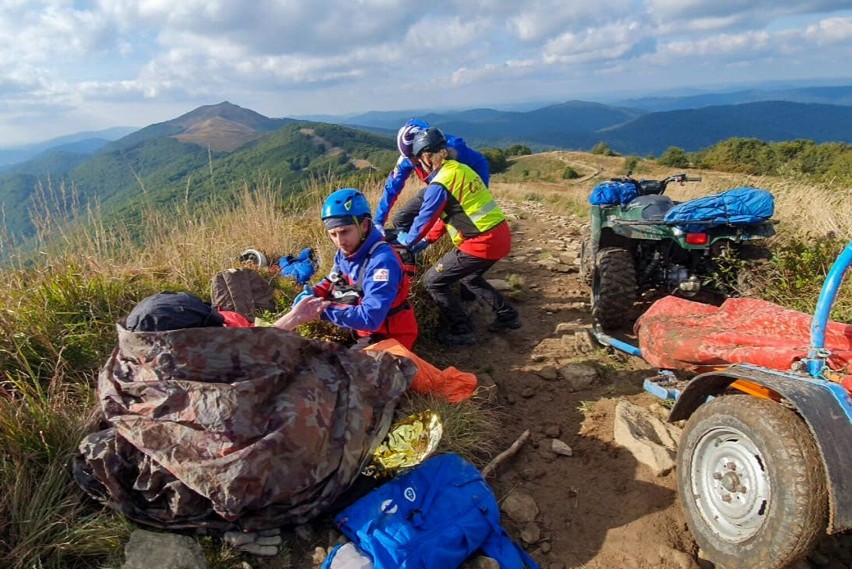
[506, 454]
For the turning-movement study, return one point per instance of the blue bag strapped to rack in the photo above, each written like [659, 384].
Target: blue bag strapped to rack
[613, 193]
[740, 206]
[436, 515]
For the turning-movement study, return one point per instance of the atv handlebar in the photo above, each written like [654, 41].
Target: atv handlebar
[658, 187]
[682, 178]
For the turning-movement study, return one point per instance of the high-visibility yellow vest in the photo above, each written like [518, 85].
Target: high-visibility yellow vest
[471, 209]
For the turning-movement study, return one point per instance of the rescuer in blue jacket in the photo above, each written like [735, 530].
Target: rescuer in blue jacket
[367, 286]
[457, 150]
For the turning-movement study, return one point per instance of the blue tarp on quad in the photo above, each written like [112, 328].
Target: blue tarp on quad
[612, 193]
[740, 206]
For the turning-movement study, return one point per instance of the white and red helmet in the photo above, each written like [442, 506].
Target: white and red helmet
[406, 134]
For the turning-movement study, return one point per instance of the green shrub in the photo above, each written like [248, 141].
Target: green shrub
[518, 150]
[674, 157]
[570, 173]
[603, 149]
[797, 274]
[497, 161]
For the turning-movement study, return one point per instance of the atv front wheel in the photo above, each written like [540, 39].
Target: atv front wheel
[751, 483]
[613, 287]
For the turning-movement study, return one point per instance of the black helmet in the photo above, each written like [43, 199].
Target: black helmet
[429, 140]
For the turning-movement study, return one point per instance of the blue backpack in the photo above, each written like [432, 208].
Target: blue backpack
[437, 515]
[301, 267]
[613, 193]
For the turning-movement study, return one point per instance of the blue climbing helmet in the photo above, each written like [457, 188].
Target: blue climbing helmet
[346, 206]
[406, 134]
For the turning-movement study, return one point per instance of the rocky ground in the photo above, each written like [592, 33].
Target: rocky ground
[611, 500]
[596, 506]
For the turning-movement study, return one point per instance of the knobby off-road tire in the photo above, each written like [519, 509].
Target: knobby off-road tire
[751, 483]
[587, 259]
[613, 287]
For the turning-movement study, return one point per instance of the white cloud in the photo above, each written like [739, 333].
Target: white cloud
[490, 72]
[91, 58]
[603, 44]
[755, 10]
[543, 19]
[830, 31]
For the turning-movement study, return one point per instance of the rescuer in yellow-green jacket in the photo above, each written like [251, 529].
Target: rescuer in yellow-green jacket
[457, 200]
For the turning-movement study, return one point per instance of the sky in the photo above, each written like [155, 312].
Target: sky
[68, 66]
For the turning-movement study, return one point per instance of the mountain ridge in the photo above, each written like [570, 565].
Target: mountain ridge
[203, 154]
[207, 150]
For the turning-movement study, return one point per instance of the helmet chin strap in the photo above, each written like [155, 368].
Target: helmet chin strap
[361, 235]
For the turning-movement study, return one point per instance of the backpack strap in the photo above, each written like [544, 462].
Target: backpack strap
[367, 257]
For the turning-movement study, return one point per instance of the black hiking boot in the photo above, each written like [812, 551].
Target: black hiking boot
[451, 339]
[511, 322]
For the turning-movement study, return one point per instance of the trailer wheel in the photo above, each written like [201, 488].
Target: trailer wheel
[751, 483]
[613, 287]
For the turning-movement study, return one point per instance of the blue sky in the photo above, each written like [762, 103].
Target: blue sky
[75, 65]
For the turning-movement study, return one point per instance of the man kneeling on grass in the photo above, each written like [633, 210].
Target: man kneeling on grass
[367, 287]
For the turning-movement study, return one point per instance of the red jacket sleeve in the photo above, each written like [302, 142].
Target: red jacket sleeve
[437, 231]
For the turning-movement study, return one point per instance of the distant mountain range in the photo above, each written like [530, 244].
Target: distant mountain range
[648, 126]
[81, 142]
[215, 149]
[822, 95]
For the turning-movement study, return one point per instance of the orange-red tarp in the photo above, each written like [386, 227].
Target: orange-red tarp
[681, 334]
[450, 383]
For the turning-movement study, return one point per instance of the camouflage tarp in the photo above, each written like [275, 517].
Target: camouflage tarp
[236, 427]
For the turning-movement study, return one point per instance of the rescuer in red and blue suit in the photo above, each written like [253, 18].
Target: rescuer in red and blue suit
[367, 286]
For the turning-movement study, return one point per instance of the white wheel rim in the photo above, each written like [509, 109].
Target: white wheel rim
[730, 485]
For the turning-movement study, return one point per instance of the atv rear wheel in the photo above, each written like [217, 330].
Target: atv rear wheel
[613, 287]
[751, 483]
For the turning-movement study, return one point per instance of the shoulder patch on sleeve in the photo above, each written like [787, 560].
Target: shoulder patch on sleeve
[381, 275]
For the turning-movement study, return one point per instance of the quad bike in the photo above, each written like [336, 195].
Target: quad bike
[763, 460]
[630, 252]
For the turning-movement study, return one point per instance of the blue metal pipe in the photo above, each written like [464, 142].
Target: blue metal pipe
[617, 344]
[816, 354]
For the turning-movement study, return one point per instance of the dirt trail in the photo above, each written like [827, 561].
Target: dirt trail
[599, 507]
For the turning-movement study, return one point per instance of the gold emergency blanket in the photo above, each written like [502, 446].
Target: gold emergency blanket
[409, 442]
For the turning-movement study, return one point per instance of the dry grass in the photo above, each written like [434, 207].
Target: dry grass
[57, 326]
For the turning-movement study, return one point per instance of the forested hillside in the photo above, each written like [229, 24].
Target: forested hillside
[175, 161]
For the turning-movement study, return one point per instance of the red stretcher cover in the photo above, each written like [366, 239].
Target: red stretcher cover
[681, 334]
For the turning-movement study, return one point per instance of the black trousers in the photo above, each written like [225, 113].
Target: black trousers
[404, 217]
[457, 266]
